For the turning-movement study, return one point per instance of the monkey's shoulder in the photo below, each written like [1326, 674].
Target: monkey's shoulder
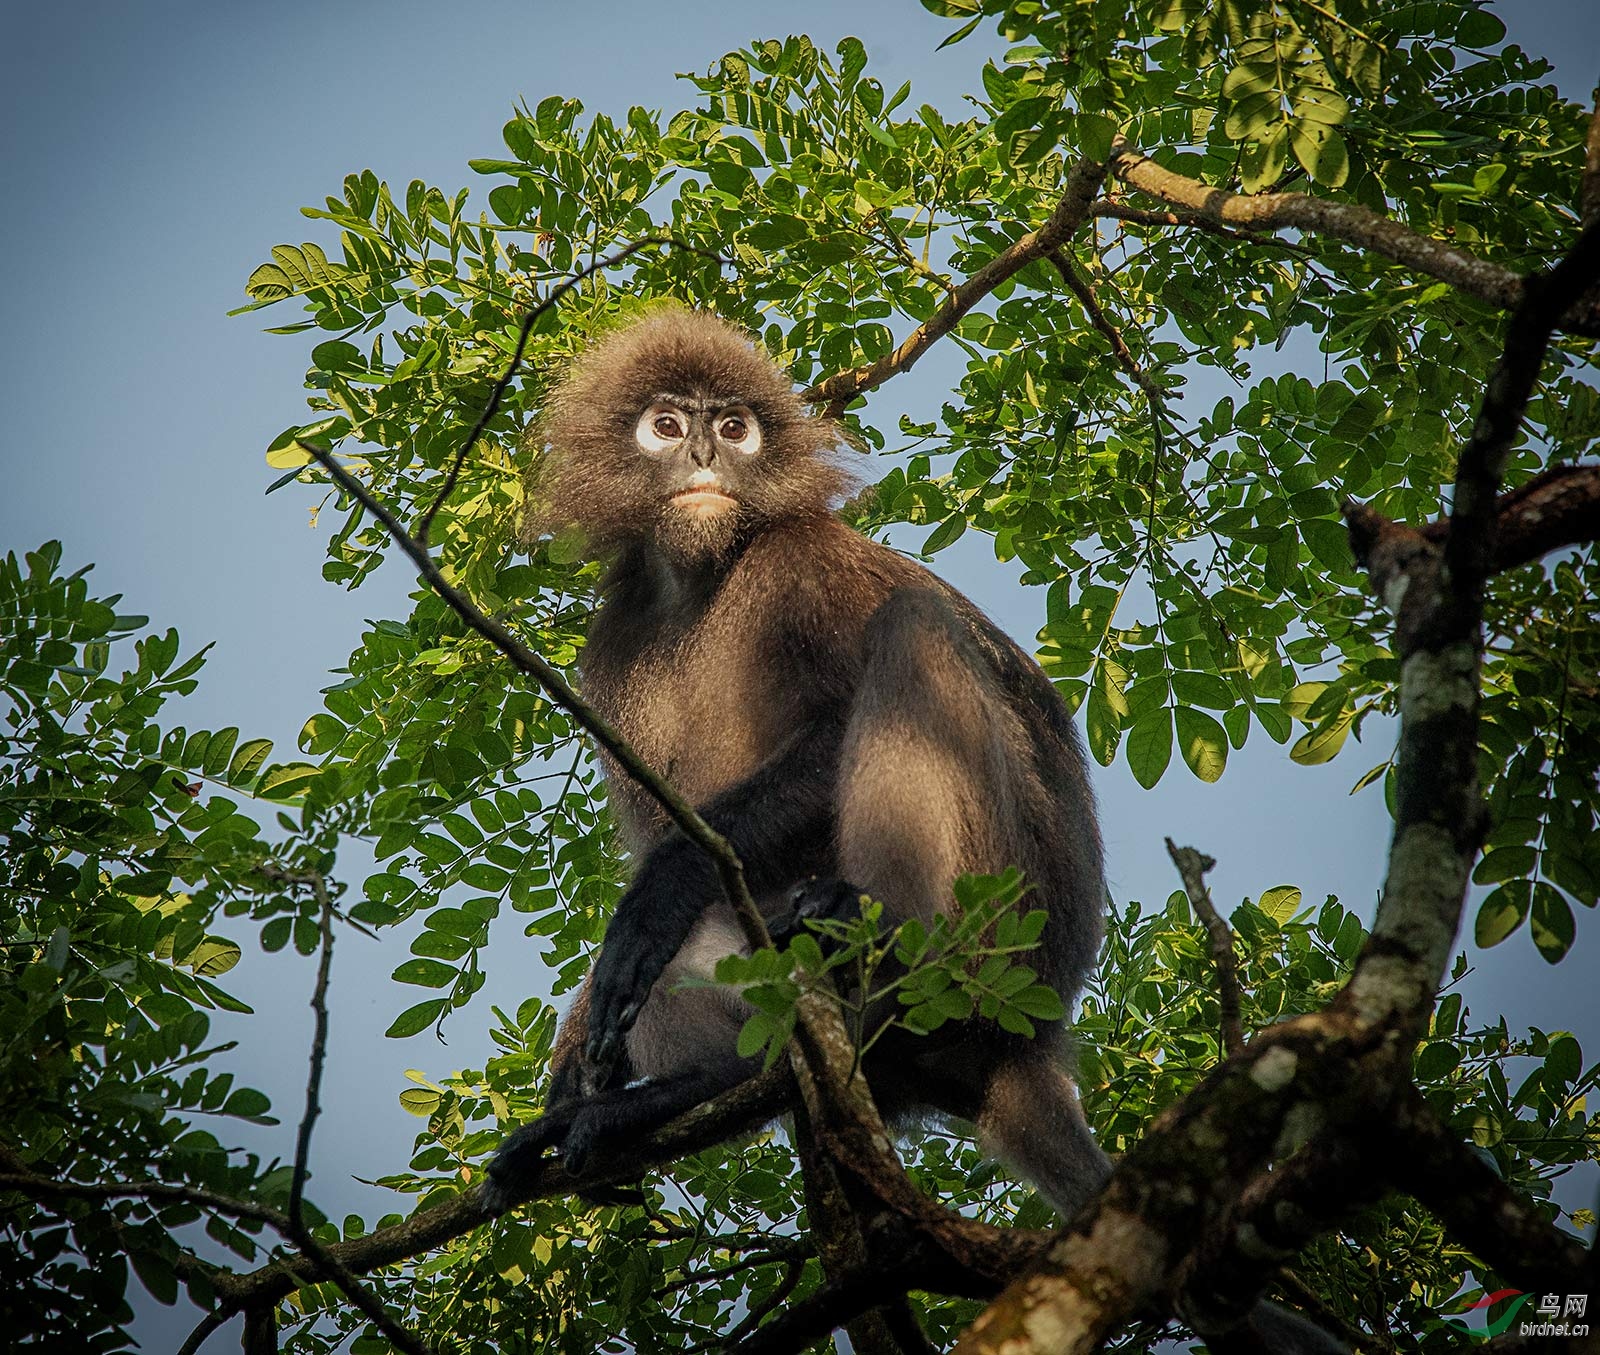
[819, 575]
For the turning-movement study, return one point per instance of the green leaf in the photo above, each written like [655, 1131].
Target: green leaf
[420, 1101]
[945, 533]
[425, 973]
[275, 935]
[1323, 743]
[286, 781]
[1437, 1060]
[247, 1103]
[1102, 728]
[247, 760]
[415, 1019]
[1095, 135]
[1203, 743]
[1510, 862]
[1321, 150]
[1552, 923]
[1262, 162]
[1150, 746]
[1480, 28]
[1502, 912]
[1280, 903]
[212, 957]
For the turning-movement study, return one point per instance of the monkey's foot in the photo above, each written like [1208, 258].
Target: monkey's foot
[824, 898]
[513, 1168]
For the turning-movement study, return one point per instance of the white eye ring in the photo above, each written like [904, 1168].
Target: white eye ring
[654, 432]
[748, 441]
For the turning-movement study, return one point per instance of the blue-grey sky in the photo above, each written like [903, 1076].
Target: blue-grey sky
[156, 152]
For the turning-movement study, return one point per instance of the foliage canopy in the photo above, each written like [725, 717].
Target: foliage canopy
[1200, 591]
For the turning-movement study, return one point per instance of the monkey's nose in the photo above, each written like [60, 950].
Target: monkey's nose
[702, 451]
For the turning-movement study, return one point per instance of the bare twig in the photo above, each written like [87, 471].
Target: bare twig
[1081, 288]
[498, 391]
[202, 1330]
[1192, 866]
[1070, 212]
[1350, 222]
[319, 1050]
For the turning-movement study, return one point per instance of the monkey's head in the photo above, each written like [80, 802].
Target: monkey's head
[678, 432]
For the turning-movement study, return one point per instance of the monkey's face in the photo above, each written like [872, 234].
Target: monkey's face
[679, 433]
[704, 453]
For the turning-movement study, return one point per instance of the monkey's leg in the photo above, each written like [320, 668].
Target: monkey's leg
[1030, 1119]
[681, 1051]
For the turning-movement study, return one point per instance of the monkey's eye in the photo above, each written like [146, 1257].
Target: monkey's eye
[660, 427]
[738, 428]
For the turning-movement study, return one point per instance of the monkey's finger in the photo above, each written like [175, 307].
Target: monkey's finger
[606, 1034]
[601, 1050]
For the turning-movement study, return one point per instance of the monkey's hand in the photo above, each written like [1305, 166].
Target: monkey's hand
[573, 1128]
[824, 898]
[653, 919]
[513, 1169]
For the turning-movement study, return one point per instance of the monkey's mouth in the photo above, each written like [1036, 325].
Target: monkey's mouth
[704, 502]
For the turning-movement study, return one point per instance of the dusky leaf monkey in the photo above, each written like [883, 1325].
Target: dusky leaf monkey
[837, 712]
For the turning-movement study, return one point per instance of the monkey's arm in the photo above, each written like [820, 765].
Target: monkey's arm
[777, 820]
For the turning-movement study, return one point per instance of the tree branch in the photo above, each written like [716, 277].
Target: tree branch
[1275, 1217]
[1192, 866]
[1331, 1072]
[319, 1050]
[1428, 1161]
[836, 1225]
[1350, 222]
[739, 1110]
[1112, 209]
[1437, 597]
[1469, 548]
[1080, 287]
[1559, 507]
[202, 1331]
[1070, 212]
